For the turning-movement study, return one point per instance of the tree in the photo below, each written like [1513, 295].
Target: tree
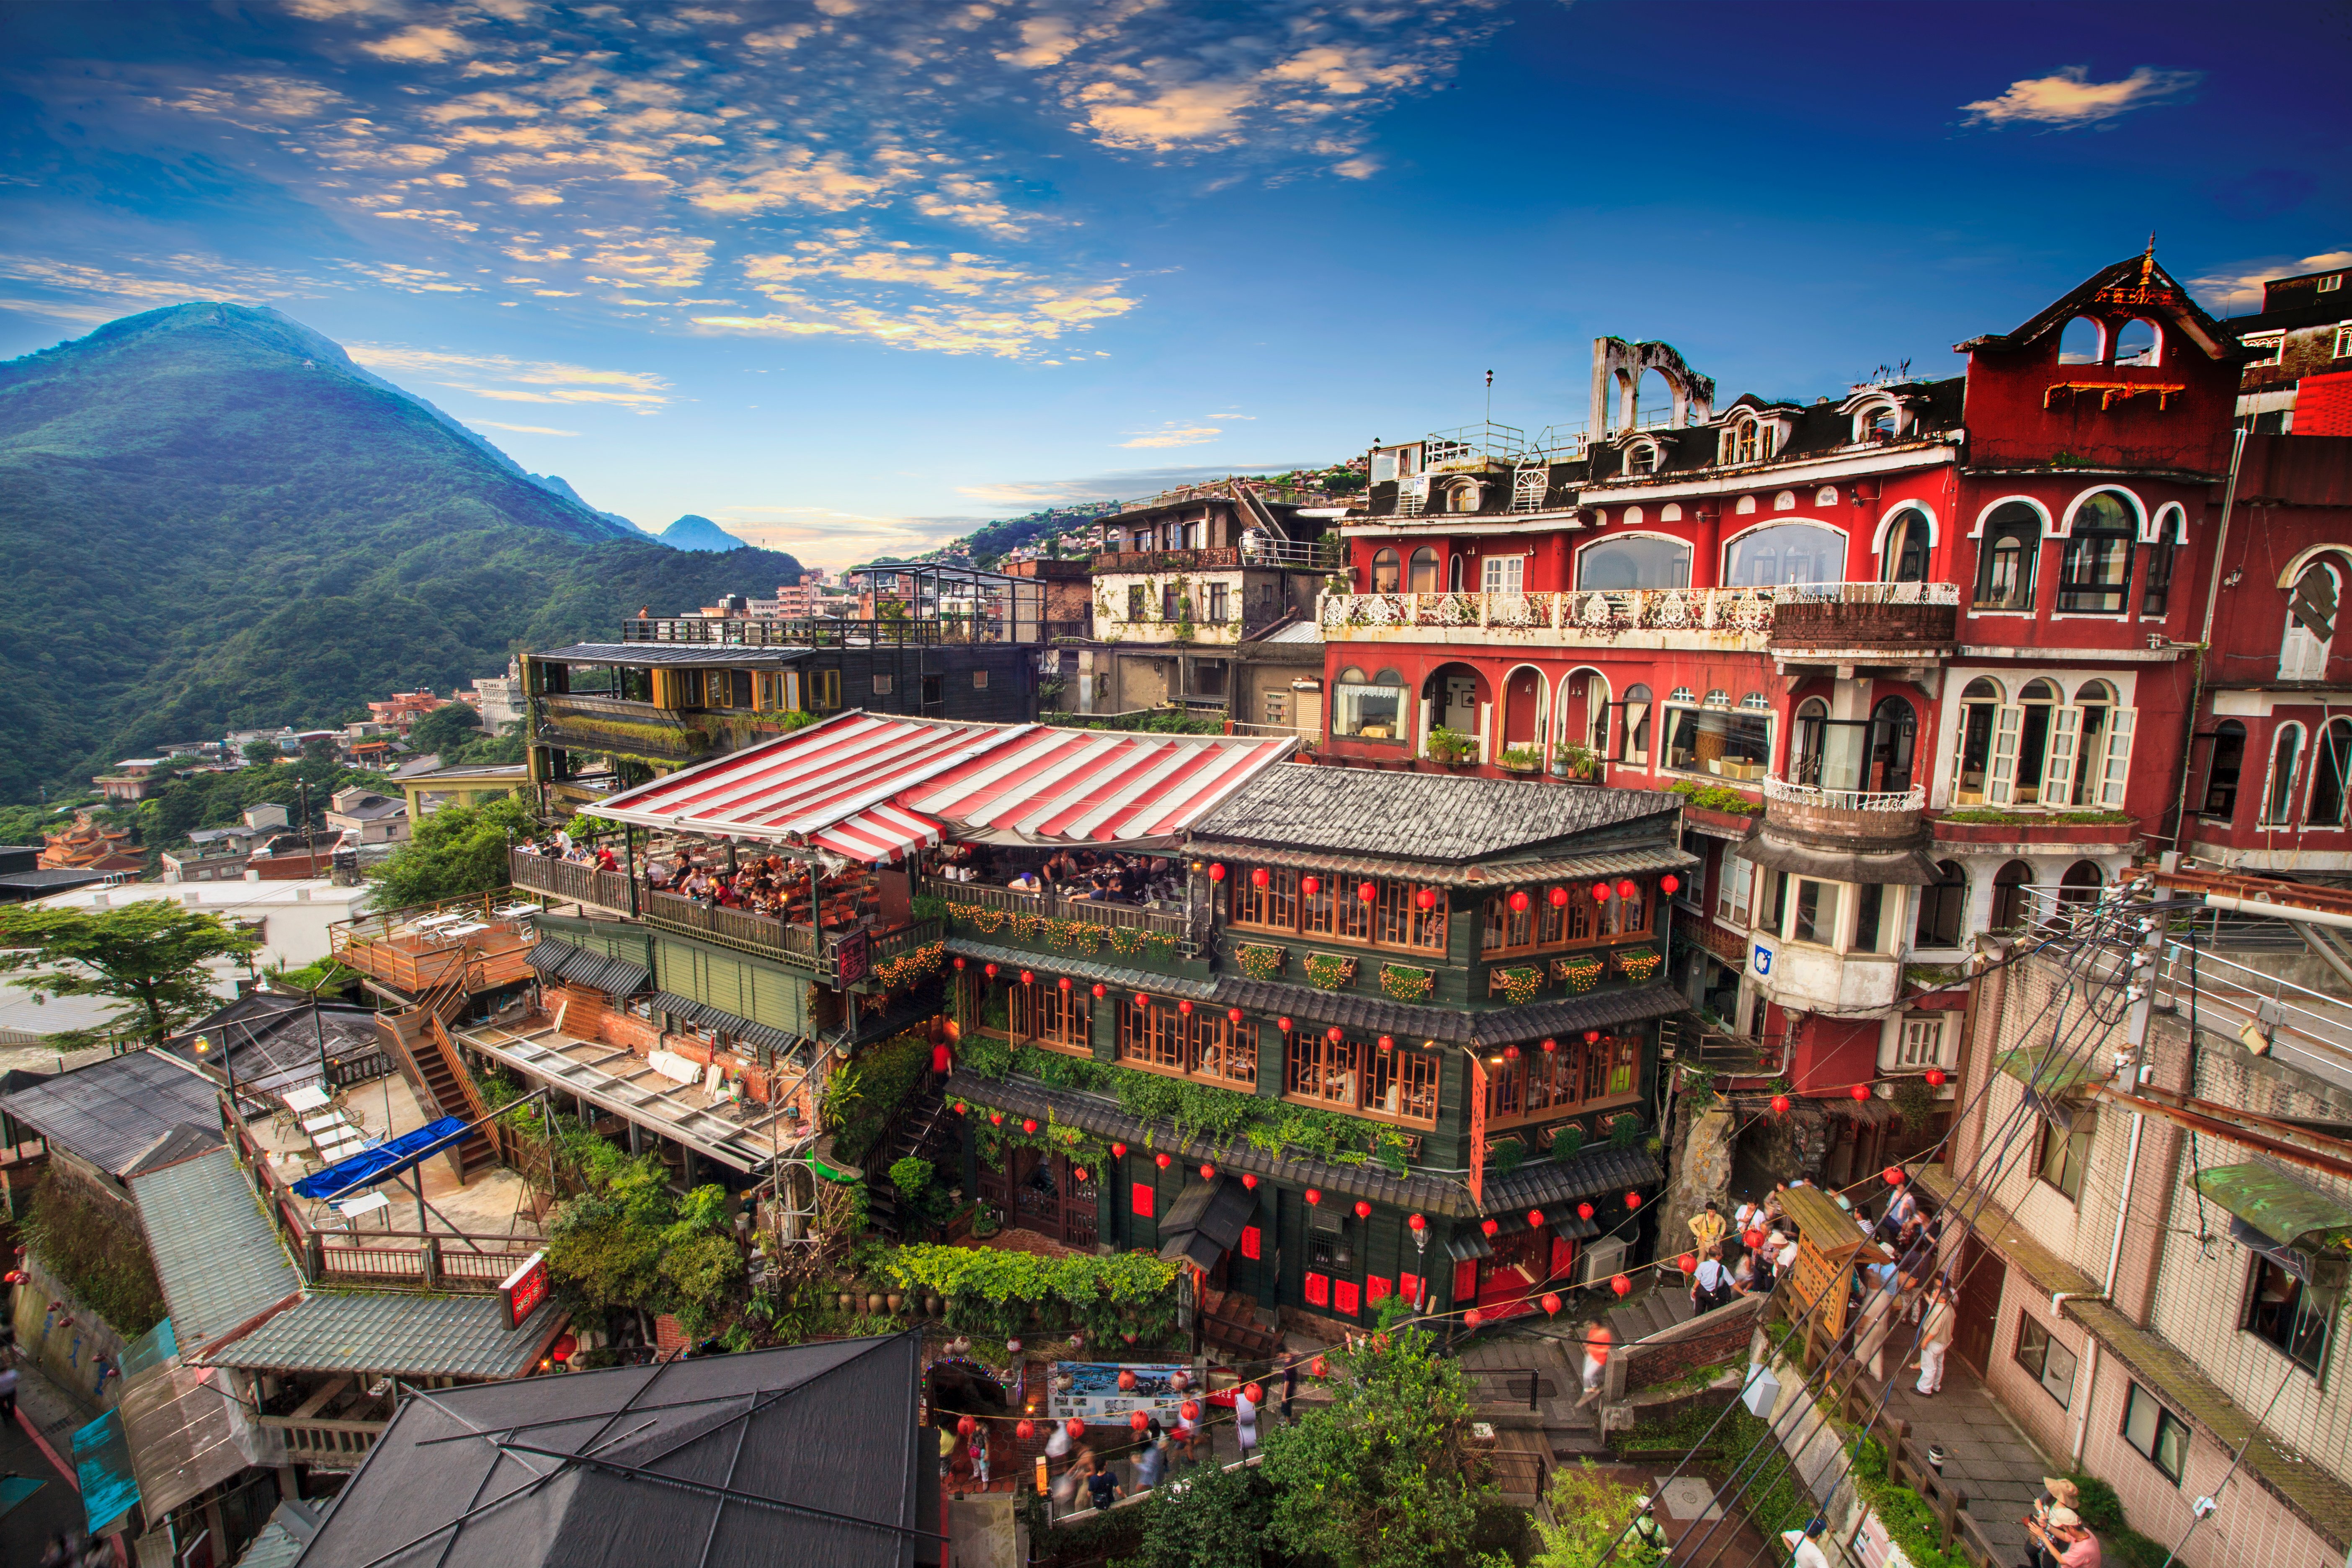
[319, 748]
[1381, 1477]
[1593, 1513]
[446, 728]
[260, 753]
[1211, 1518]
[454, 851]
[151, 954]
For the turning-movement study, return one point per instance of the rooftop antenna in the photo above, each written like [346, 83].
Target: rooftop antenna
[1490, 397]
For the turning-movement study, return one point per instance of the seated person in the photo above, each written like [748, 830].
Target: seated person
[1026, 882]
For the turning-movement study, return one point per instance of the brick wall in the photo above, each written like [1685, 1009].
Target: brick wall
[1709, 1341]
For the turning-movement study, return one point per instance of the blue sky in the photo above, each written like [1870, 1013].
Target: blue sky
[853, 275]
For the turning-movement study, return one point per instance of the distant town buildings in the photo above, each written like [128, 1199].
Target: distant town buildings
[2298, 374]
[91, 846]
[405, 707]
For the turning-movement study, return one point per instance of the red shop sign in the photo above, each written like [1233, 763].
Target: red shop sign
[524, 1290]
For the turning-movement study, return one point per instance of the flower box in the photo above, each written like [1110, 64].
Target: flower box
[1260, 961]
[1579, 972]
[1639, 963]
[1519, 982]
[1329, 972]
[1403, 983]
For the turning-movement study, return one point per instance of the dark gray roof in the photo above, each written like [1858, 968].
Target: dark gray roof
[1111, 975]
[644, 655]
[1598, 1169]
[703, 1015]
[1423, 816]
[1457, 1025]
[53, 879]
[1560, 868]
[111, 1112]
[406, 1334]
[810, 1454]
[217, 1254]
[373, 808]
[556, 958]
[273, 1041]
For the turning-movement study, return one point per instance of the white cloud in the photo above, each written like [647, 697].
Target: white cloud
[176, 280]
[1174, 436]
[419, 45]
[525, 380]
[2068, 97]
[521, 429]
[2240, 284]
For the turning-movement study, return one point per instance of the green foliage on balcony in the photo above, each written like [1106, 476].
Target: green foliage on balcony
[1994, 817]
[1714, 797]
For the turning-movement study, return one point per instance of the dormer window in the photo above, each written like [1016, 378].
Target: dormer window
[1642, 457]
[1748, 441]
[1462, 496]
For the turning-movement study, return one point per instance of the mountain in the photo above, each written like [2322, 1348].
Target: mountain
[692, 533]
[556, 484]
[220, 522]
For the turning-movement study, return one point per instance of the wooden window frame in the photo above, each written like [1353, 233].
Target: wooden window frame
[1392, 922]
[1174, 1044]
[1059, 1020]
[1311, 1056]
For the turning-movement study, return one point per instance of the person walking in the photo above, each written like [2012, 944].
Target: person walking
[1707, 1227]
[8, 1392]
[1935, 1331]
[1102, 1488]
[1596, 1362]
[1289, 1384]
[1245, 1421]
[2066, 1539]
[1710, 1283]
[1151, 1459]
[1876, 1323]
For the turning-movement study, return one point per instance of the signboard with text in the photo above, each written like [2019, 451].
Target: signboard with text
[1095, 1397]
[524, 1290]
[855, 957]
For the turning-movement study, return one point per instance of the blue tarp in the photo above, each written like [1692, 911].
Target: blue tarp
[102, 1464]
[156, 1347]
[381, 1164]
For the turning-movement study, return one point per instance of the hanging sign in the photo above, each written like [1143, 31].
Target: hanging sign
[524, 1290]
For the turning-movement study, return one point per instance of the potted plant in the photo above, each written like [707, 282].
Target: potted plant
[1520, 760]
[1451, 748]
[1575, 762]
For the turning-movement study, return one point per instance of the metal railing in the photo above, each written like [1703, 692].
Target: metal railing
[1166, 922]
[1780, 789]
[1205, 559]
[1866, 594]
[2308, 1027]
[1486, 440]
[1313, 554]
[829, 631]
[332, 1444]
[1596, 612]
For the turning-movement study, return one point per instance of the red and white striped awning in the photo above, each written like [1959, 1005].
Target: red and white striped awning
[872, 787]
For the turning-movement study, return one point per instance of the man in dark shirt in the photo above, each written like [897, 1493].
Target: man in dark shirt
[1102, 1488]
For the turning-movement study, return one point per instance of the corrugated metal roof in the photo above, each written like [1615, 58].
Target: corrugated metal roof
[406, 1334]
[112, 1112]
[2281, 1208]
[556, 958]
[1451, 817]
[833, 783]
[702, 1015]
[216, 1255]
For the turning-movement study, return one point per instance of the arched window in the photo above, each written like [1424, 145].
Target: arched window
[1972, 735]
[1637, 725]
[2332, 782]
[2009, 896]
[2222, 772]
[1453, 573]
[1904, 559]
[2311, 610]
[2095, 573]
[2083, 342]
[1619, 564]
[2006, 556]
[1462, 496]
[1370, 708]
[1422, 575]
[2156, 582]
[1387, 569]
[1642, 457]
[2078, 886]
[2094, 731]
[2139, 342]
[1894, 728]
[2287, 755]
[1812, 740]
[1943, 907]
[1748, 441]
[2030, 723]
[1785, 552]
[1879, 426]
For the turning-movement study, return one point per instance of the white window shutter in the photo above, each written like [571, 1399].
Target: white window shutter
[2117, 771]
[1959, 753]
[2058, 769]
[2001, 778]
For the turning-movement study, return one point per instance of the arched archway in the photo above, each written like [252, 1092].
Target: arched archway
[1452, 696]
[2079, 885]
[1523, 706]
[2008, 895]
[1894, 735]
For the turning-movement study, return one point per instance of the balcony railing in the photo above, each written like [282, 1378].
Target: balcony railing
[1867, 594]
[330, 1444]
[589, 723]
[1220, 558]
[1165, 923]
[1781, 791]
[1597, 611]
[568, 879]
[1911, 617]
[832, 631]
[1313, 554]
[799, 944]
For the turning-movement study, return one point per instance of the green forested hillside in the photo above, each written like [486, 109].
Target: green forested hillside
[216, 521]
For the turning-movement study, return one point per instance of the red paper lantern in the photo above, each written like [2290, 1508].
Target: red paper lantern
[1584, 1213]
[1258, 877]
[1473, 1318]
[966, 1426]
[1125, 1380]
[1064, 982]
[1311, 885]
[1591, 1036]
[1490, 1227]
[1626, 889]
[1233, 1015]
[1075, 1428]
[1368, 891]
[1388, 1042]
[1335, 1034]
[1313, 1196]
[961, 1109]
[1163, 1160]
[1028, 1124]
[1622, 1285]
[1417, 1221]
[1185, 1008]
[1025, 1430]
[1550, 1305]
[959, 964]
[1363, 1209]
[1752, 1239]
[1669, 884]
[1599, 892]
[1253, 1394]
[1519, 903]
[1282, 1024]
[1139, 1422]
[1027, 978]
[1860, 1092]
[1780, 1105]
[1686, 1263]
[990, 971]
[1535, 1218]
[996, 1119]
[1633, 1200]
[1893, 1175]
[564, 1348]
[1208, 1172]
[1190, 1410]
[1217, 872]
[1549, 1045]
[1319, 1367]
[1935, 1077]
[1249, 1181]
[1119, 1151]
[1510, 1053]
[1426, 898]
[1101, 991]
[1143, 999]
[1559, 898]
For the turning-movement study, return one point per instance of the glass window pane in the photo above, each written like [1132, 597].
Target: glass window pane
[1785, 552]
[1816, 913]
[1621, 563]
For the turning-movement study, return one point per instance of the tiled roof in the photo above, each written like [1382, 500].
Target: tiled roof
[1429, 816]
[1086, 969]
[1457, 1025]
[111, 1112]
[1485, 874]
[406, 1334]
[215, 1252]
[1602, 1169]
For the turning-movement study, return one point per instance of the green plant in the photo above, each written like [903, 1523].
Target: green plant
[1915, 1102]
[92, 1245]
[911, 1176]
[1568, 1142]
[1582, 760]
[1624, 1131]
[1997, 817]
[1581, 971]
[1505, 1156]
[1595, 1516]
[1217, 1519]
[1519, 982]
[1639, 963]
[1260, 961]
[1522, 759]
[1405, 983]
[861, 1096]
[1330, 971]
[151, 956]
[1714, 797]
[456, 850]
[1450, 745]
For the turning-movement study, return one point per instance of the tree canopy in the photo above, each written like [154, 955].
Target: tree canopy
[152, 954]
[454, 851]
[445, 729]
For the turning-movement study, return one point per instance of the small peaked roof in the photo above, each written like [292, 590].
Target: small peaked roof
[1420, 817]
[810, 1454]
[2138, 284]
[112, 1112]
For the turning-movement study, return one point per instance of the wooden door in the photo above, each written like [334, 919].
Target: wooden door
[1981, 1278]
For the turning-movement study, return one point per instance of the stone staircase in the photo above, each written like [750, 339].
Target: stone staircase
[921, 1131]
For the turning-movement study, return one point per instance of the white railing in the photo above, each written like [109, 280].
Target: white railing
[1597, 611]
[1780, 789]
[1867, 594]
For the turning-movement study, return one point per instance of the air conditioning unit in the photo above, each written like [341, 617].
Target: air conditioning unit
[1597, 1260]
